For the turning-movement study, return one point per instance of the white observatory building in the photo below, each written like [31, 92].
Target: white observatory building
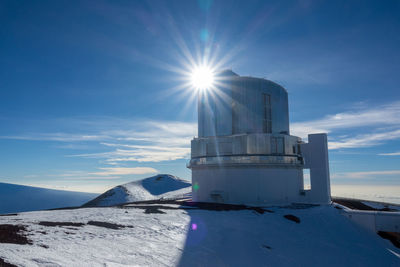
[244, 153]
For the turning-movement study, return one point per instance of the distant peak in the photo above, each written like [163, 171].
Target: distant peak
[162, 176]
[145, 189]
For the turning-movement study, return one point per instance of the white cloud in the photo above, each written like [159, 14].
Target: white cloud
[384, 122]
[366, 174]
[126, 140]
[57, 137]
[390, 154]
[103, 173]
[383, 115]
[124, 171]
[129, 140]
[150, 154]
[142, 153]
[157, 141]
[365, 140]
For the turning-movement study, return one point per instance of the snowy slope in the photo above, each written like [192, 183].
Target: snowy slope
[18, 198]
[170, 235]
[155, 187]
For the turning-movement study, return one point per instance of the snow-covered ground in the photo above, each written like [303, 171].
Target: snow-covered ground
[18, 198]
[170, 234]
[155, 187]
[179, 233]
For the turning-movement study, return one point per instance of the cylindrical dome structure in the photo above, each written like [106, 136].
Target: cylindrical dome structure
[243, 105]
[244, 153]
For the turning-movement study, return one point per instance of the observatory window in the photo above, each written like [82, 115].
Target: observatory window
[267, 118]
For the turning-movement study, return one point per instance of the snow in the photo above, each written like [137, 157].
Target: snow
[18, 198]
[177, 233]
[155, 187]
[172, 235]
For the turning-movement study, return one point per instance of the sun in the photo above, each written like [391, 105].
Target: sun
[202, 77]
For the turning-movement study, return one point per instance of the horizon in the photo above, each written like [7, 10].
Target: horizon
[96, 94]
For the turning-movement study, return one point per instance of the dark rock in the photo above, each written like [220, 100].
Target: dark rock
[108, 225]
[292, 218]
[52, 224]
[14, 234]
[6, 264]
[266, 246]
[392, 237]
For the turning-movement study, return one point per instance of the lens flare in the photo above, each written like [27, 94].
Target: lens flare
[195, 187]
[202, 77]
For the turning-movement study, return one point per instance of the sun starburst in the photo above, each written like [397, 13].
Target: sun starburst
[202, 77]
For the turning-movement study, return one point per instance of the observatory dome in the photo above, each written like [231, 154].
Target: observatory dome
[244, 153]
[243, 105]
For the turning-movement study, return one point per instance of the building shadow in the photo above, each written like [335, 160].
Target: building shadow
[287, 236]
[212, 238]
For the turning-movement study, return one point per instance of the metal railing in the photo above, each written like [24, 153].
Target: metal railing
[286, 160]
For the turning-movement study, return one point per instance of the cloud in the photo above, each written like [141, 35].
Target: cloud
[122, 140]
[143, 153]
[157, 141]
[140, 153]
[124, 171]
[57, 137]
[383, 122]
[390, 154]
[367, 174]
[104, 173]
[382, 115]
[365, 140]
[130, 140]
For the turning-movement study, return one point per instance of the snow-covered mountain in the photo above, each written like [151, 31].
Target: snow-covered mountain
[18, 198]
[180, 233]
[155, 187]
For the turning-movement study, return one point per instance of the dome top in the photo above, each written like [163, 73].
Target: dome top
[226, 73]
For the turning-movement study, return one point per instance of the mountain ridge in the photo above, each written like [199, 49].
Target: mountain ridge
[150, 188]
[22, 198]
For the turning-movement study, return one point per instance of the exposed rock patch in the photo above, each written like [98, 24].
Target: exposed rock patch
[108, 225]
[224, 207]
[292, 218]
[53, 224]
[392, 237]
[75, 224]
[6, 264]
[151, 208]
[14, 234]
[266, 246]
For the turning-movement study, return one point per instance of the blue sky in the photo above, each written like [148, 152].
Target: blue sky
[92, 92]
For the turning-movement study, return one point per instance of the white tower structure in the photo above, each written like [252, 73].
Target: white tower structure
[244, 153]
